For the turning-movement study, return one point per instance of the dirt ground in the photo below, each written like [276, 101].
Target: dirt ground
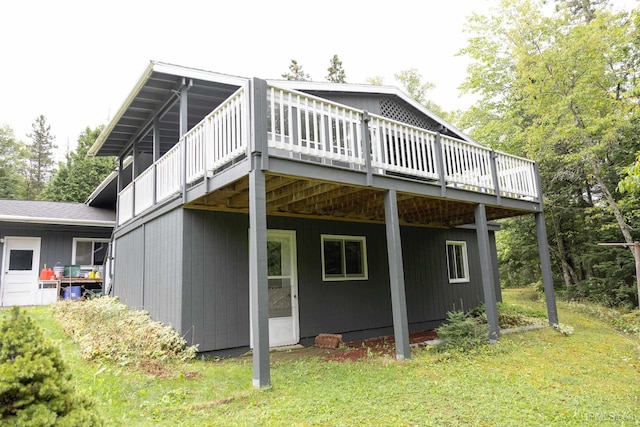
[353, 350]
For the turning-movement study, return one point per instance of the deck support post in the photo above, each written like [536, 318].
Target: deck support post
[258, 278]
[396, 276]
[486, 269]
[440, 165]
[366, 146]
[545, 265]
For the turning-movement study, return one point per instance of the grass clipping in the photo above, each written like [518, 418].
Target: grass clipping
[106, 329]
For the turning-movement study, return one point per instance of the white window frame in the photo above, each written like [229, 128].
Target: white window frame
[85, 239]
[334, 278]
[465, 261]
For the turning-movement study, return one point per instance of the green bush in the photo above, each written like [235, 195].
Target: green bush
[35, 387]
[104, 328]
[462, 331]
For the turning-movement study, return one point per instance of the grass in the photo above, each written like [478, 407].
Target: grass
[535, 378]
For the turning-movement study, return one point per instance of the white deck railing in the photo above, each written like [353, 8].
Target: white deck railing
[218, 139]
[314, 127]
[401, 148]
[125, 204]
[516, 176]
[309, 128]
[144, 191]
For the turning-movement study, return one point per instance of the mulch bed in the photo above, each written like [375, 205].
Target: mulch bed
[356, 350]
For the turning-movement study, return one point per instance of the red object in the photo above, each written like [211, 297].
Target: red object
[52, 275]
[44, 274]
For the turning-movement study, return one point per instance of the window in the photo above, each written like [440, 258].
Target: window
[344, 257]
[89, 251]
[457, 263]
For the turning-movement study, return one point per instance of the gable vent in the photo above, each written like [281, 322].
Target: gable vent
[392, 109]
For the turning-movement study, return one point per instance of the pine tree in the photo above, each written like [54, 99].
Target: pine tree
[40, 157]
[296, 72]
[335, 70]
[76, 178]
[35, 387]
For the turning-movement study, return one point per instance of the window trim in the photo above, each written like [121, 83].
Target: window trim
[465, 261]
[345, 238]
[85, 239]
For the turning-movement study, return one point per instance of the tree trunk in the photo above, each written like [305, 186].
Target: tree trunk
[622, 223]
[568, 274]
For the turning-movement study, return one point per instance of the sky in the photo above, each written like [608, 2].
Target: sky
[76, 61]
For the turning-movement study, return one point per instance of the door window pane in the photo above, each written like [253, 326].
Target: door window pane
[20, 260]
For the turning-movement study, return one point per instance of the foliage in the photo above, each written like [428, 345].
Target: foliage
[462, 331]
[106, 329]
[565, 330]
[35, 387]
[40, 157]
[560, 87]
[12, 165]
[375, 80]
[624, 321]
[335, 71]
[597, 376]
[296, 72]
[80, 174]
[411, 81]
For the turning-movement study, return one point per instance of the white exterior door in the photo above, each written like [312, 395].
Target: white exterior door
[20, 264]
[283, 288]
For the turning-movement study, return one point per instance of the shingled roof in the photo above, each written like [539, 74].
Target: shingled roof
[64, 213]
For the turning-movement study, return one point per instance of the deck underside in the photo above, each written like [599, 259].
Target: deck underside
[313, 198]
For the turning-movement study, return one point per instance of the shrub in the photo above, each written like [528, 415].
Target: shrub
[104, 328]
[35, 387]
[462, 331]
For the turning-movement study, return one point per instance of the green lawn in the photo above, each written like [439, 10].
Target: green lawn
[534, 378]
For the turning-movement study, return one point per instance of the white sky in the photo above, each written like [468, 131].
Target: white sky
[76, 61]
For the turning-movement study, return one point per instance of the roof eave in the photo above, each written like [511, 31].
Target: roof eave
[57, 221]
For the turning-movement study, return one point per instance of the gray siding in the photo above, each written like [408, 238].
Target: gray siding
[128, 282]
[163, 269]
[216, 280]
[149, 270]
[56, 244]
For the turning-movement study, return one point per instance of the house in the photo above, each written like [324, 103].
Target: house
[38, 233]
[260, 213]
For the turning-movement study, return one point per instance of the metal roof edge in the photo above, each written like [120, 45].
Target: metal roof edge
[196, 73]
[56, 221]
[123, 107]
[112, 175]
[160, 67]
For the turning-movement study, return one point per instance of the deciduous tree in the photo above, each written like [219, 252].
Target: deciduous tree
[12, 165]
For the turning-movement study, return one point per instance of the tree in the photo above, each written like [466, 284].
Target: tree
[40, 157]
[335, 71]
[562, 90]
[12, 165]
[375, 80]
[76, 178]
[296, 73]
[412, 83]
[35, 386]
